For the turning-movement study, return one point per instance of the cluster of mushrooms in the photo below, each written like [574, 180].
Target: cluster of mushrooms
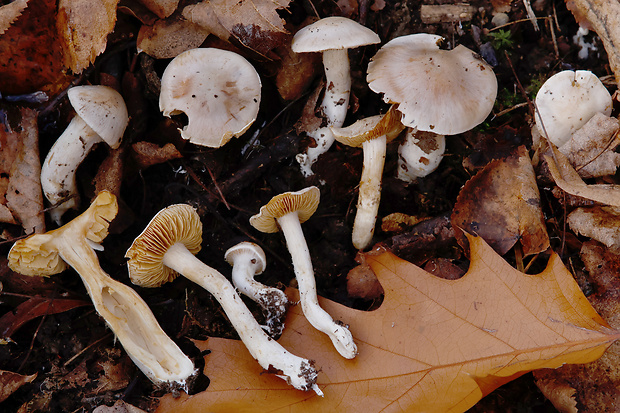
[450, 92]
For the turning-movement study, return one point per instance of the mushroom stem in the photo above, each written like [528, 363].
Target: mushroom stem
[63, 159]
[339, 334]
[127, 315]
[272, 301]
[295, 370]
[369, 191]
[337, 86]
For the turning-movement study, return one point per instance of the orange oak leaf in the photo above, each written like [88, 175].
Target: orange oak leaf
[434, 345]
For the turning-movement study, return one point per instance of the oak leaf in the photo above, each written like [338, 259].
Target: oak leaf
[254, 23]
[434, 345]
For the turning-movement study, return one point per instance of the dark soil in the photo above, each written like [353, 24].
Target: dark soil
[230, 184]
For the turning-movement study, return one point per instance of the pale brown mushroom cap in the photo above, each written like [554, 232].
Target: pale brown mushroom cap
[37, 255]
[103, 109]
[442, 91]
[174, 224]
[305, 202]
[370, 128]
[218, 90]
[246, 247]
[333, 33]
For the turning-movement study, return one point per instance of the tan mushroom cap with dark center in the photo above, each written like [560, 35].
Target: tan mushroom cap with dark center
[305, 202]
[333, 33]
[370, 128]
[30, 256]
[175, 224]
[442, 91]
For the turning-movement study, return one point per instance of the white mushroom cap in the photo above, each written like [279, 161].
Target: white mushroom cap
[442, 91]
[257, 254]
[103, 109]
[567, 101]
[333, 33]
[218, 90]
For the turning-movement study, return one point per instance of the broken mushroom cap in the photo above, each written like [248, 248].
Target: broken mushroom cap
[177, 223]
[567, 101]
[101, 115]
[332, 33]
[369, 128]
[442, 91]
[218, 90]
[305, 202]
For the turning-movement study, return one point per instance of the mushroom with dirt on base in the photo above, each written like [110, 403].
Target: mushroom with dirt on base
[332, 36]
[166, 249]
[127, 315]
[286, 212]
[248, 259]
[101, 116]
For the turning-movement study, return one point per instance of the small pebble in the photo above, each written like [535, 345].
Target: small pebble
[500, 19]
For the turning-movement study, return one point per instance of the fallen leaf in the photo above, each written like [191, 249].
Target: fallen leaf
[597, 384]
[168, 38]
[33, 308]
[591, 148]
[501, 203]
[84, 26]
[599, 223]
[119, 407]
[162, 8]
[254, 23]
[604, 18]
[434, 345]
[559, 392]
[20, 168]
[147, 153]
[9, 382]
[569, 180]
[10, 12]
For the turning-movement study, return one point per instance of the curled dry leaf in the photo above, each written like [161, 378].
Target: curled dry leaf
[591, 148]
[118, 407]
[559, 392]
[9, 382]
[604, 18]
[84, 26]
[597, 384]
[162, 8]
[254, 23]
[433, 345]
[10, 12]
[168, 38]
[599, 223]
[147, 153]
[569, 180]
[20, 162]
[501, 203]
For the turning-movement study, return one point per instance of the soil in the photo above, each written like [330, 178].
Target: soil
[78, 363]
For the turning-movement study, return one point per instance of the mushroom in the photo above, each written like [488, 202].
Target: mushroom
[286, 212]
[446, 92]
[166, 249]
[121, 307]
[419, 155]
[333, 36]
[101, 116]
[372, 134]
[218, 90]
[567, 101]
[248, 260]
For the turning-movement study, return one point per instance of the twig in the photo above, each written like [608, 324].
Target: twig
[530, 14]
[34, 336]
[79, 353]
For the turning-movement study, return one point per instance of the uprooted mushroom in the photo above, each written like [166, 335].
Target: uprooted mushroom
[121, 307]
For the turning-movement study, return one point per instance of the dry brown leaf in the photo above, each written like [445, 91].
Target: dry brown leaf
[168, 38]
[433, 345]
[147, 153]
[10, 12]
[32, 55]
[20, 167]
[569, 180]
[559, 392]
[501, 203]
[162, 8]
[9, 382]
[598, 383]
[599, 223]
[604, 17]
[591, 148]
[119, 407]
[84, 26]
[254, 23]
